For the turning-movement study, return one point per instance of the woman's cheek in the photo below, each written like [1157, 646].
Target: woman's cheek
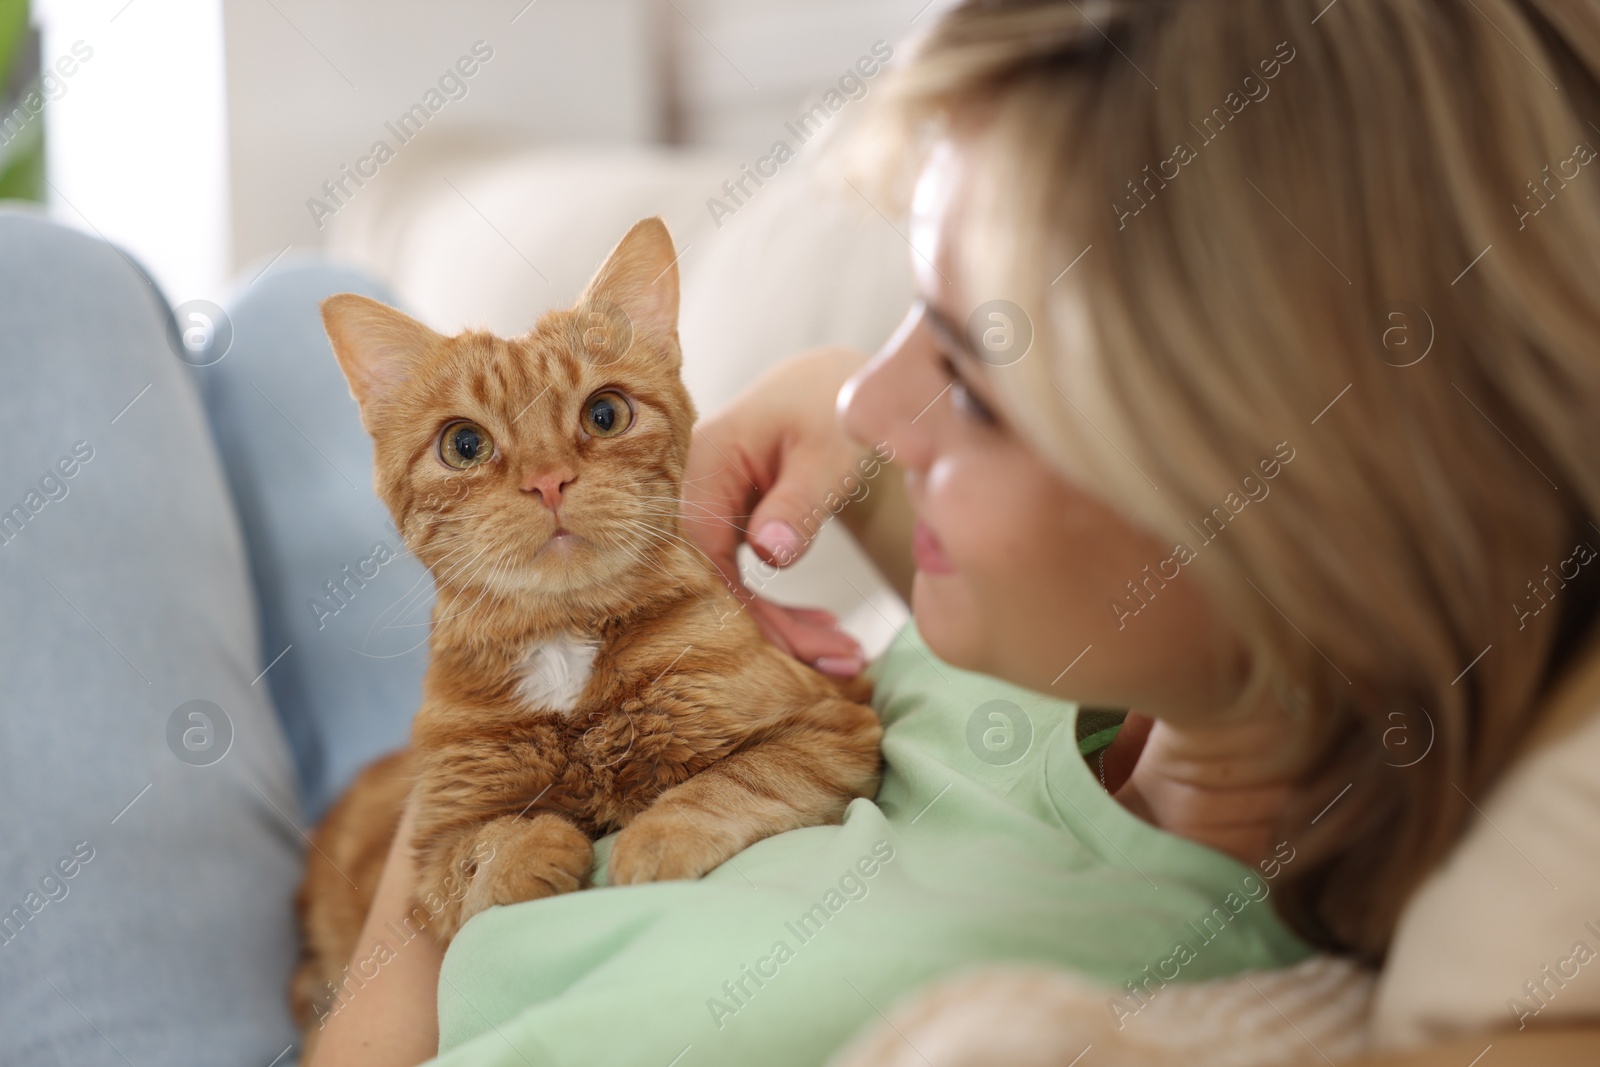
[981, 517]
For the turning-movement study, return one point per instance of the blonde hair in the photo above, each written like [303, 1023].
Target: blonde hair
[1398, 186]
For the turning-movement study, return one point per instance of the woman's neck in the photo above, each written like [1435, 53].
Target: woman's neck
[1220, 784]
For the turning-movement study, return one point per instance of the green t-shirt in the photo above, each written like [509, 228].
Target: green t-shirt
[990, 840]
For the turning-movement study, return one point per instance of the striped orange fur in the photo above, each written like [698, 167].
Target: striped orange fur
[589, 670]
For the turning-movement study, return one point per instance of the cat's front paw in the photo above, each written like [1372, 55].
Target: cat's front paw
[664, 844]
[518, 859]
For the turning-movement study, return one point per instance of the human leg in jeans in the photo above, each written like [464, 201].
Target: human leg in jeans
[148, 853]
[150, 832]
[344, 610]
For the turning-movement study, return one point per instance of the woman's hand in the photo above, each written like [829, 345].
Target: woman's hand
[759, 472]
[392, 1019]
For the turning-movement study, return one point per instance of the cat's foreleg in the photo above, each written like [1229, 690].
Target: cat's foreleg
[481, 837]
[803, 771]
[519, 858]
[504, 861]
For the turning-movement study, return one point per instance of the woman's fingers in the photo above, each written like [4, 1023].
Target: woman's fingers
[787, 516]
[718, 488]
[767, 472]
[820, 616]
[810, 635]
[810, 488]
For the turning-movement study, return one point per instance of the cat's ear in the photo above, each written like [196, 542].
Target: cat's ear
[377, 346]
[640, 276]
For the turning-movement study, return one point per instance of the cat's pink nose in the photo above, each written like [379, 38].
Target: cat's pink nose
[549, 485]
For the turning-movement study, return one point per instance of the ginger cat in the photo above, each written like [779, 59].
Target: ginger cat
[589, 670]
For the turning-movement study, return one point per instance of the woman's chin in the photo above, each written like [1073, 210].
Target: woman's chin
[948, 621]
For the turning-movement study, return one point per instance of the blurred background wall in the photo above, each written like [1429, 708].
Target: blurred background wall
[479, 157]
[194, 132]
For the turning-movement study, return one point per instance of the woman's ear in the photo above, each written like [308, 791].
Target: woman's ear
[377, 347]
[640, 277]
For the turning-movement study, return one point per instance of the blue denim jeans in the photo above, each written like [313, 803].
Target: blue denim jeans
[197, 649]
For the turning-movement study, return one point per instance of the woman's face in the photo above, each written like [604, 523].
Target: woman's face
[1017, 569]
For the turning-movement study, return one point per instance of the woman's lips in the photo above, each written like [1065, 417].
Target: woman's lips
[927, 551]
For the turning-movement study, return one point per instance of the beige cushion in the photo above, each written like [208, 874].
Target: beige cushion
[1518, 902]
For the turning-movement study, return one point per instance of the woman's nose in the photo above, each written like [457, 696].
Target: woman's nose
[889, 400]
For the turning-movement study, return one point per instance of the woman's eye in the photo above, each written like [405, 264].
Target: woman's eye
[966, 401]
[606, 414]
[465, 444]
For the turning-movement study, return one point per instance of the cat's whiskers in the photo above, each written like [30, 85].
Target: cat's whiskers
[411, 599]
[637, 537]
[443, 548]
[478, 563]
[500, 561]
[393, 617]
[674, 505]
[666, 537]
[451, 544]
[465, 515]
[635, 548]
[418, 593]
[710, 518]
[489, 585]
[447, 578]
[428, 529]
[470, 523]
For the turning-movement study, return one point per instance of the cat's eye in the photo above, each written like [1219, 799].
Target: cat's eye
[465, 444]
[606, 414]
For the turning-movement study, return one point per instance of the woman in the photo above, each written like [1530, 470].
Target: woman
[1251, 386]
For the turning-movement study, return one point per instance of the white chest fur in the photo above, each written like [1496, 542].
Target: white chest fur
[555, 671]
